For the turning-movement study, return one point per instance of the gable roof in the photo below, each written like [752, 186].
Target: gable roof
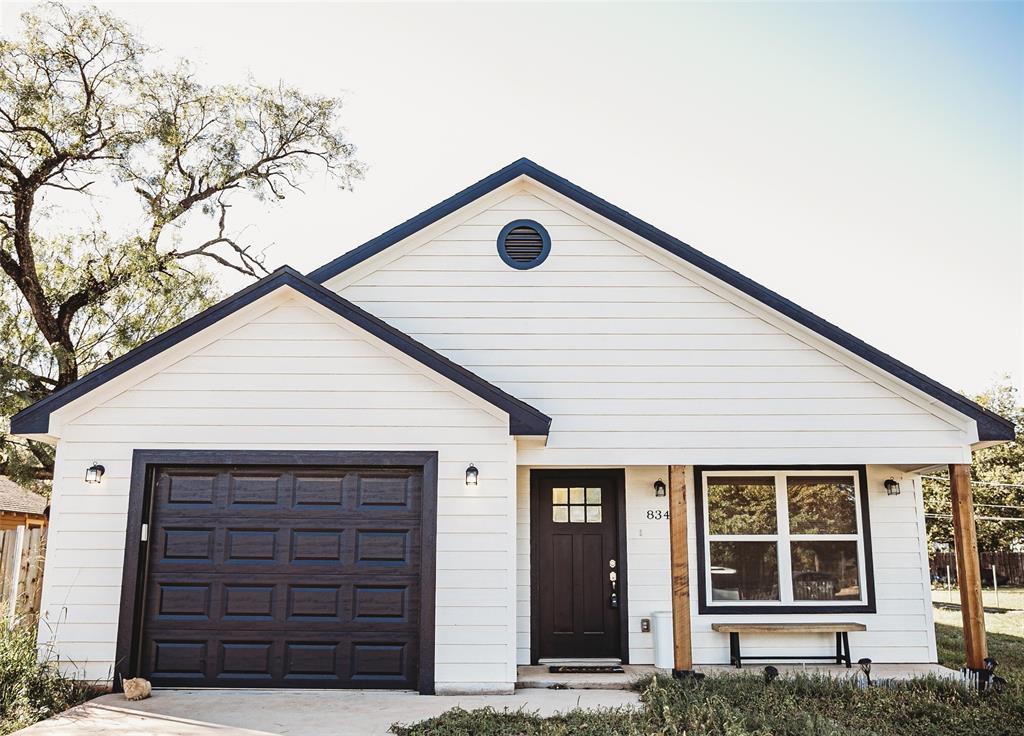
[20, 500]
[991, 426]
[523, 418]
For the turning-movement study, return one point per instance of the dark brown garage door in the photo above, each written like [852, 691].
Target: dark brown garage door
[283, 577]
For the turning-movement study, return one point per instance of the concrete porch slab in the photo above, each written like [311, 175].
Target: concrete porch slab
[537, 676]
[296, 712]
[879, 671]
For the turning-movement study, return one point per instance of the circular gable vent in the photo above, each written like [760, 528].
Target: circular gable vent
[523, 244]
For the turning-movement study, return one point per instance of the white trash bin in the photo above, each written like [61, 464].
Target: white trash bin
[664, 651]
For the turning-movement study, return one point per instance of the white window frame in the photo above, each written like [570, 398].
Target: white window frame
[782, 539]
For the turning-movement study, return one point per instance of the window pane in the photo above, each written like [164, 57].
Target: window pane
[821, 505]
[576, 514]
[575, 495]
[744, 571]
[593, 495]
[594, 514]
[825, 571]
[560, 514]
[559, 495]
[741, 505]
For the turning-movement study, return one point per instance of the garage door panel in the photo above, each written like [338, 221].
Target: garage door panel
[248, 659]
[310, 601]
[347, 546]
[284, 577]
[385, 491]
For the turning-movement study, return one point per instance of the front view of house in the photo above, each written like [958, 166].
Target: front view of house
[492, 436]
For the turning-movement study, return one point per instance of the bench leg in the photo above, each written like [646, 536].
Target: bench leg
[846, 650]
[839, 647]
[734, 649]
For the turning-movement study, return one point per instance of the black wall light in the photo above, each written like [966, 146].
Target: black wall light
[94, 473]
[892, 488]
[472, 475]
[659, 488]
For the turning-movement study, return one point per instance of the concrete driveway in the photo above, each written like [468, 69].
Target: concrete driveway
[300, 712]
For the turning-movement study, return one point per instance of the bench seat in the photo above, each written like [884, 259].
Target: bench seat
[840, 628]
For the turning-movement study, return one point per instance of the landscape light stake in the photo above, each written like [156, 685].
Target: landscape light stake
[865, 667]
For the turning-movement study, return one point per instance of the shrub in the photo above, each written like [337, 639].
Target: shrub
[31, 687]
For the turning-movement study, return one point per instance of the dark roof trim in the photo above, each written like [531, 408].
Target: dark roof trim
[991, 426]
[523, 418]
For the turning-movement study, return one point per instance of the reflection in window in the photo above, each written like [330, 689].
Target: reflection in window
[821, 505]
[742, 505]
[576, 505]
[786, 537]
[825, 571]
[744, 571]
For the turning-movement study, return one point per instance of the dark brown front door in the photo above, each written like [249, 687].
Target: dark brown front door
[284, 576]
[578, 571]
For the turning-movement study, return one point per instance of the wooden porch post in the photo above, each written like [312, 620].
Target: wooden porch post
[968, 567]
[680, 569]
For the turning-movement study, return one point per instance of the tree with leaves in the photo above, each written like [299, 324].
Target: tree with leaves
[997, 482]
[86, 118]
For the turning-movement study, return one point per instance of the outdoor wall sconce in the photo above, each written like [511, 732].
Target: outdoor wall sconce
[472, 475]
[659, 488]
[892, 488]
[94, 473]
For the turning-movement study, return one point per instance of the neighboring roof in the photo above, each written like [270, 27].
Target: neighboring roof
[14, 498]
[991, 426]
[523, 418]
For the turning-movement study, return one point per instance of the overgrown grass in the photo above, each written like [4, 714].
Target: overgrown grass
[742, 705]
[30, 689]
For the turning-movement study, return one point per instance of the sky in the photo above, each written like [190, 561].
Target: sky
[866, 160]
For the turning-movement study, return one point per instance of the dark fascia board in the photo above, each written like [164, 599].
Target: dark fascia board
[523, 418]
[991, 426]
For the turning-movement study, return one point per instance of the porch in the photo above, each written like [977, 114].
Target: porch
[869, 574]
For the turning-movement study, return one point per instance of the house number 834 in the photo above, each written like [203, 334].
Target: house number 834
[657, 514]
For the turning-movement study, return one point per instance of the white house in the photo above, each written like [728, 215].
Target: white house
[445, 454]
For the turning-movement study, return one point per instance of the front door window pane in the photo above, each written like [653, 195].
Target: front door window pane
[744, 571]
[741, 505]
[825, 571]
[821, 505]
[576, 514]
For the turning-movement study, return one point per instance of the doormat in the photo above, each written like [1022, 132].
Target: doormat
[563, 669]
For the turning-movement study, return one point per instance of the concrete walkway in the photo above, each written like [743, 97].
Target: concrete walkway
[297, 713]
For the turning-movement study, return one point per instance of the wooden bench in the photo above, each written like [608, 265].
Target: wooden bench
[840, 629]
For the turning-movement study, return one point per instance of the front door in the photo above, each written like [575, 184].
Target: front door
[578, 578]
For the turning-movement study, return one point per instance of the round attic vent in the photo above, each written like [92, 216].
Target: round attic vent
[524, 244]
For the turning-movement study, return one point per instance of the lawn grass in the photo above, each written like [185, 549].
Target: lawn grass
[1004, 628]
[743, 705]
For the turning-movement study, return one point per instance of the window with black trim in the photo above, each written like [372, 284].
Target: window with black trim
[787, 539]
[524, 244]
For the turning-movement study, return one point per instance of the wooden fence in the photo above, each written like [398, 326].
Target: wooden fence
[22, 552]
[1009, 567]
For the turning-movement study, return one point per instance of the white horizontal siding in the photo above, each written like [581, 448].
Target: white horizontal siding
[293, 377]
[631, 357]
